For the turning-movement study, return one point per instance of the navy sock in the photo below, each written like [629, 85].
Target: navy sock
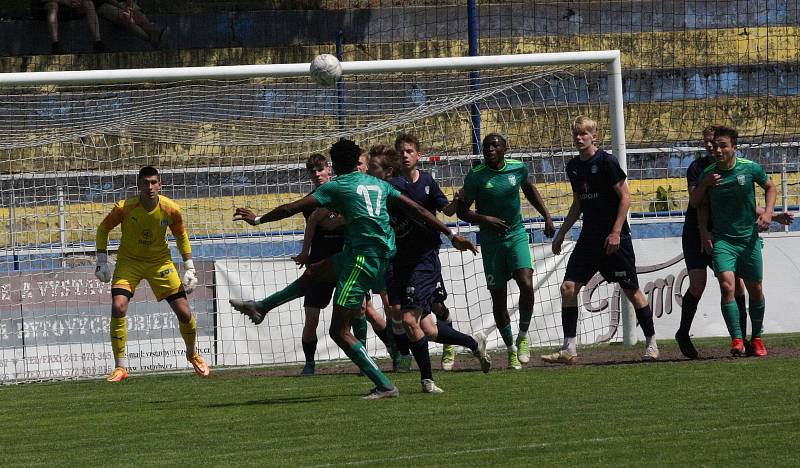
[423, 357]
[383, 335]
[569, 321]
[309, 349]
[741, 303]
[645, 318]
[451, 336]
[401, 340]
[688, 310]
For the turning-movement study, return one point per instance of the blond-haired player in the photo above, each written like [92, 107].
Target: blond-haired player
[144, 254]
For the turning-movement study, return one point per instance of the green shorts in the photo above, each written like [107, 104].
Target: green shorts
[742, 258]
[356, 276]
[501, 258]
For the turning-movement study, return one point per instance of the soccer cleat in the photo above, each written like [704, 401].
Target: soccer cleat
[562, 356]
[199, 365]
[405, 363]
[650, 353]
[308, 369]
[249, 309]
[757, 347]
[513, 360]
[448, 357]
[429, 386]
[117, 375]
[480, 353]
[379, 394]
[523, 351]
[685, 345]
[737, 347]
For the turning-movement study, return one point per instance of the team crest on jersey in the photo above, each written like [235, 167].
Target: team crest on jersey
[740, 179]
[512, 179]
[594, 169]
[165, 222]
[427, 190]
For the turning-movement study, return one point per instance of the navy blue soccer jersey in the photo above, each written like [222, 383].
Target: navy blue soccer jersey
[694, 175]
[326, 241]
[593, 182]
[415, 238]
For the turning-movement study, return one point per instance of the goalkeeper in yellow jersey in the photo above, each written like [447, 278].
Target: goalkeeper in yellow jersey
[144, 254]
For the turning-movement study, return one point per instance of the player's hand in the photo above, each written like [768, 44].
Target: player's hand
[245, 214]
[763, 221]
[706, 242]
[301, 259]
[102, 271]
[497, 224]
[557, 242]
[786, 218]
[189, 276]
[612, 243]
[712, 179]
[549, 227]
[463, 244]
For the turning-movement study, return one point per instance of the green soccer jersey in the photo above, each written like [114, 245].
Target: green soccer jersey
[496, 193]
[361, 199]
[733, 201]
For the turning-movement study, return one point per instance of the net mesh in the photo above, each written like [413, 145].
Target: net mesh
[70, 152]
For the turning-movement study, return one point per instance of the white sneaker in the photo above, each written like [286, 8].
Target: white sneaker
[428, 386]
[378, 394]
[650, 353]
[486, 363]
[513, 360]
[562, 356]
[523, 351]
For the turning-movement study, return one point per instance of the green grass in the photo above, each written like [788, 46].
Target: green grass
[711, 412]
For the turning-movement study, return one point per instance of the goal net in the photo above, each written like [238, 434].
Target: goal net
[71, 145]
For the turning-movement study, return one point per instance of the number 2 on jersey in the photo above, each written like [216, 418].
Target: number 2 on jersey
[364, 191]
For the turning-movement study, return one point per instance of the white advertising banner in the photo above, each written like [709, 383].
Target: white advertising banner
[662, 276]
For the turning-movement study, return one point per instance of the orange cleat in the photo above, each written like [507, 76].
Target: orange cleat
[737, 347]
[117, 375]
[199, 364]
[757, 347]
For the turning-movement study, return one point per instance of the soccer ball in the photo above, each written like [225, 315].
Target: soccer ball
[326, 69]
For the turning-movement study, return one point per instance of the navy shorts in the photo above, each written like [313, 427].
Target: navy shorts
[418, 284]
[319, 295]
[693, 253]
[589, 257]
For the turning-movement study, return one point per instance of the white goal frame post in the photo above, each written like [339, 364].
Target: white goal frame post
[611, 58]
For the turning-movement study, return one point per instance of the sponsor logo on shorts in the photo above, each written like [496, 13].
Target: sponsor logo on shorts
[165, 222]
[512, 179]
[620, 274]
[165, 273]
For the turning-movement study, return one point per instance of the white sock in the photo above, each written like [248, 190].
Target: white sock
[651, 342]
[121, 361]
[570, 344]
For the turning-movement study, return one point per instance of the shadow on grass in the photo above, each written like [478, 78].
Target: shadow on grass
[285, 400]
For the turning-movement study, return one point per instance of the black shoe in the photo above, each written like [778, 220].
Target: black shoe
[686, 346]
[56, 49]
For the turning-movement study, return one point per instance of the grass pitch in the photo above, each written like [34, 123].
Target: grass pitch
[717, 411]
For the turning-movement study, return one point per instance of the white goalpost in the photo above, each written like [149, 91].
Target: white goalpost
[71, 144]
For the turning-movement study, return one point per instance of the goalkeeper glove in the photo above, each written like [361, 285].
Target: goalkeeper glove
[102, 271]
[189, 276]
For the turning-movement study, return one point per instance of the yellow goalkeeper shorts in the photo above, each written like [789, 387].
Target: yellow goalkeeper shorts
[161, 275]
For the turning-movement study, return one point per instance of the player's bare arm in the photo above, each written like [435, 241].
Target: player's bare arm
[572, 217]
[770, 194]
[313, 221]
[472, 217]
[696, 194]
[451, 208]
[284, 211]
[414, 210]
[612, 241]
[535, 199]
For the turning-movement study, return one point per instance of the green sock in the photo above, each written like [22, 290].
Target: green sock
[358, 354]
[291, 292]
[508, 337]
[360, 329]
[730, 312]
[757, 316]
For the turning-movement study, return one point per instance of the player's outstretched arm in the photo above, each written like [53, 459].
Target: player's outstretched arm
[284, 211]
[415, 211]
[185, 248]
[569, 221]
[472, 217]
[535, 199]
